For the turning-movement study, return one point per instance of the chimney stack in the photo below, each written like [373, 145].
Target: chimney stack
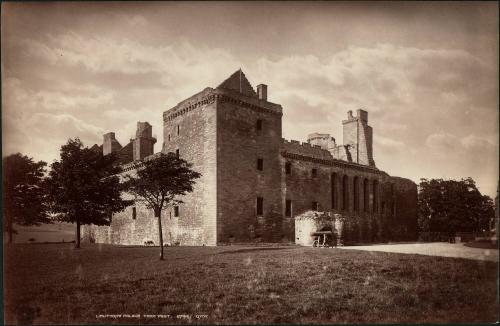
[262, 92]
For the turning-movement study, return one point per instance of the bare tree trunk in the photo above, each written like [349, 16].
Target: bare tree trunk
[160, 233]
[77, 243]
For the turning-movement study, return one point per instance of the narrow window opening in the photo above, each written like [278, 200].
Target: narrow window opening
[178, 130]
[134, 213]
[168, 137]
[345, 193]
[260, 164]
[288, 208]
[288, 168]
[314, 173]
[334, 190]
[177, 153]
[260, 206]
[259, 125]
[176, 211]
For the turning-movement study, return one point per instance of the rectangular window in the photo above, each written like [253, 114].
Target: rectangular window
[178, 130]
[288, 168]
[288, 208]
[134, 213]
[260, 164]
[314, 173]
[168, 137]
[260, 206]
[177, 153]
[259, 125]
[314, 206]
[176, 211]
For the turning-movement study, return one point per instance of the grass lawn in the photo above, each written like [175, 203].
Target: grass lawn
[56, 284]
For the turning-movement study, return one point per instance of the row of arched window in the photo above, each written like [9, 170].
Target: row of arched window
[364, 191]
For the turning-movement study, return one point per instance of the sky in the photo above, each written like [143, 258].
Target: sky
[426, 72]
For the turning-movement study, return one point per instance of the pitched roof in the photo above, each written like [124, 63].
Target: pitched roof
[238, 82]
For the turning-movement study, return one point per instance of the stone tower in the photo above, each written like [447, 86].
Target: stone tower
[143, 143]
[358, 136]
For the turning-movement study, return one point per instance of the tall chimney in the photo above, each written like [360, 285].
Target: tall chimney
[262, 92]
[110, 144]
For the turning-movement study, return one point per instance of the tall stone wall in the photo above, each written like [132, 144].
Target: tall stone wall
[239, 145]
[190, 129]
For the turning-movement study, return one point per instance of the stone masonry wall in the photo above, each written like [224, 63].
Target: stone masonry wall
[239, 145]
[190, 128]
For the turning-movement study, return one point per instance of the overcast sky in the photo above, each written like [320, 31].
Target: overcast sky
[427, 73]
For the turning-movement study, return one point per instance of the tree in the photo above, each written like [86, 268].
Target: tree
[453, 206]
[23, 192]
[159, 183]
[84, 187]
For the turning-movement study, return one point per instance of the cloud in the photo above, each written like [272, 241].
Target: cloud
[388, 144]
[441, 141]
[475, 142]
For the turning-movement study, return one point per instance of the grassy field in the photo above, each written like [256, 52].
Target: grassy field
[237, 284]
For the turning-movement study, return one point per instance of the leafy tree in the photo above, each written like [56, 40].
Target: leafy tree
[160, 182]
[23, 192]
[453, 206]
[84, 187]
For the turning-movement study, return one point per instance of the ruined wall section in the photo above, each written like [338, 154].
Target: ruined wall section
[303, 187]
[239, 145]
[190, 129]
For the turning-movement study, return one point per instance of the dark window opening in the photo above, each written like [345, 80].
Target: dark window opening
[176, 211]
[366, 196]
[178, 130]
[260, 164]
[375, 197]
[288, 208]
[356, 194]
[288, 168]
[345, 193]
[334, 190]
[259, 125]
[314, 173]
[260, 206]
[168, 137]
[314, 206]
[177, 153]
[134, 213]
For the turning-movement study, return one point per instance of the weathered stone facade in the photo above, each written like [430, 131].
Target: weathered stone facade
[254, 182]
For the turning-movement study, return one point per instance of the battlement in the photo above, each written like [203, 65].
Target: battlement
[235, 89]
[361, 115]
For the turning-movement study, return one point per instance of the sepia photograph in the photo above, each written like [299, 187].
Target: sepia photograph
[250, 162]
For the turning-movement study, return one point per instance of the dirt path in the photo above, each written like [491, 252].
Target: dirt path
[457, 250]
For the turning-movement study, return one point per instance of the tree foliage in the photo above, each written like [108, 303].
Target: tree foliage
[160, 183]
[23, 192]
[453, 206]
[83, 186]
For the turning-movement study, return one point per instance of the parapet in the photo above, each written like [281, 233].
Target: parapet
[361, 115]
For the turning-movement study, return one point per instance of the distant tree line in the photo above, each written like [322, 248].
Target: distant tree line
[451, 206]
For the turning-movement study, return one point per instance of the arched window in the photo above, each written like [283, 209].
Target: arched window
[356, 194]
[334, 190]
[366, 196]
[375, 196]
[345, 193]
